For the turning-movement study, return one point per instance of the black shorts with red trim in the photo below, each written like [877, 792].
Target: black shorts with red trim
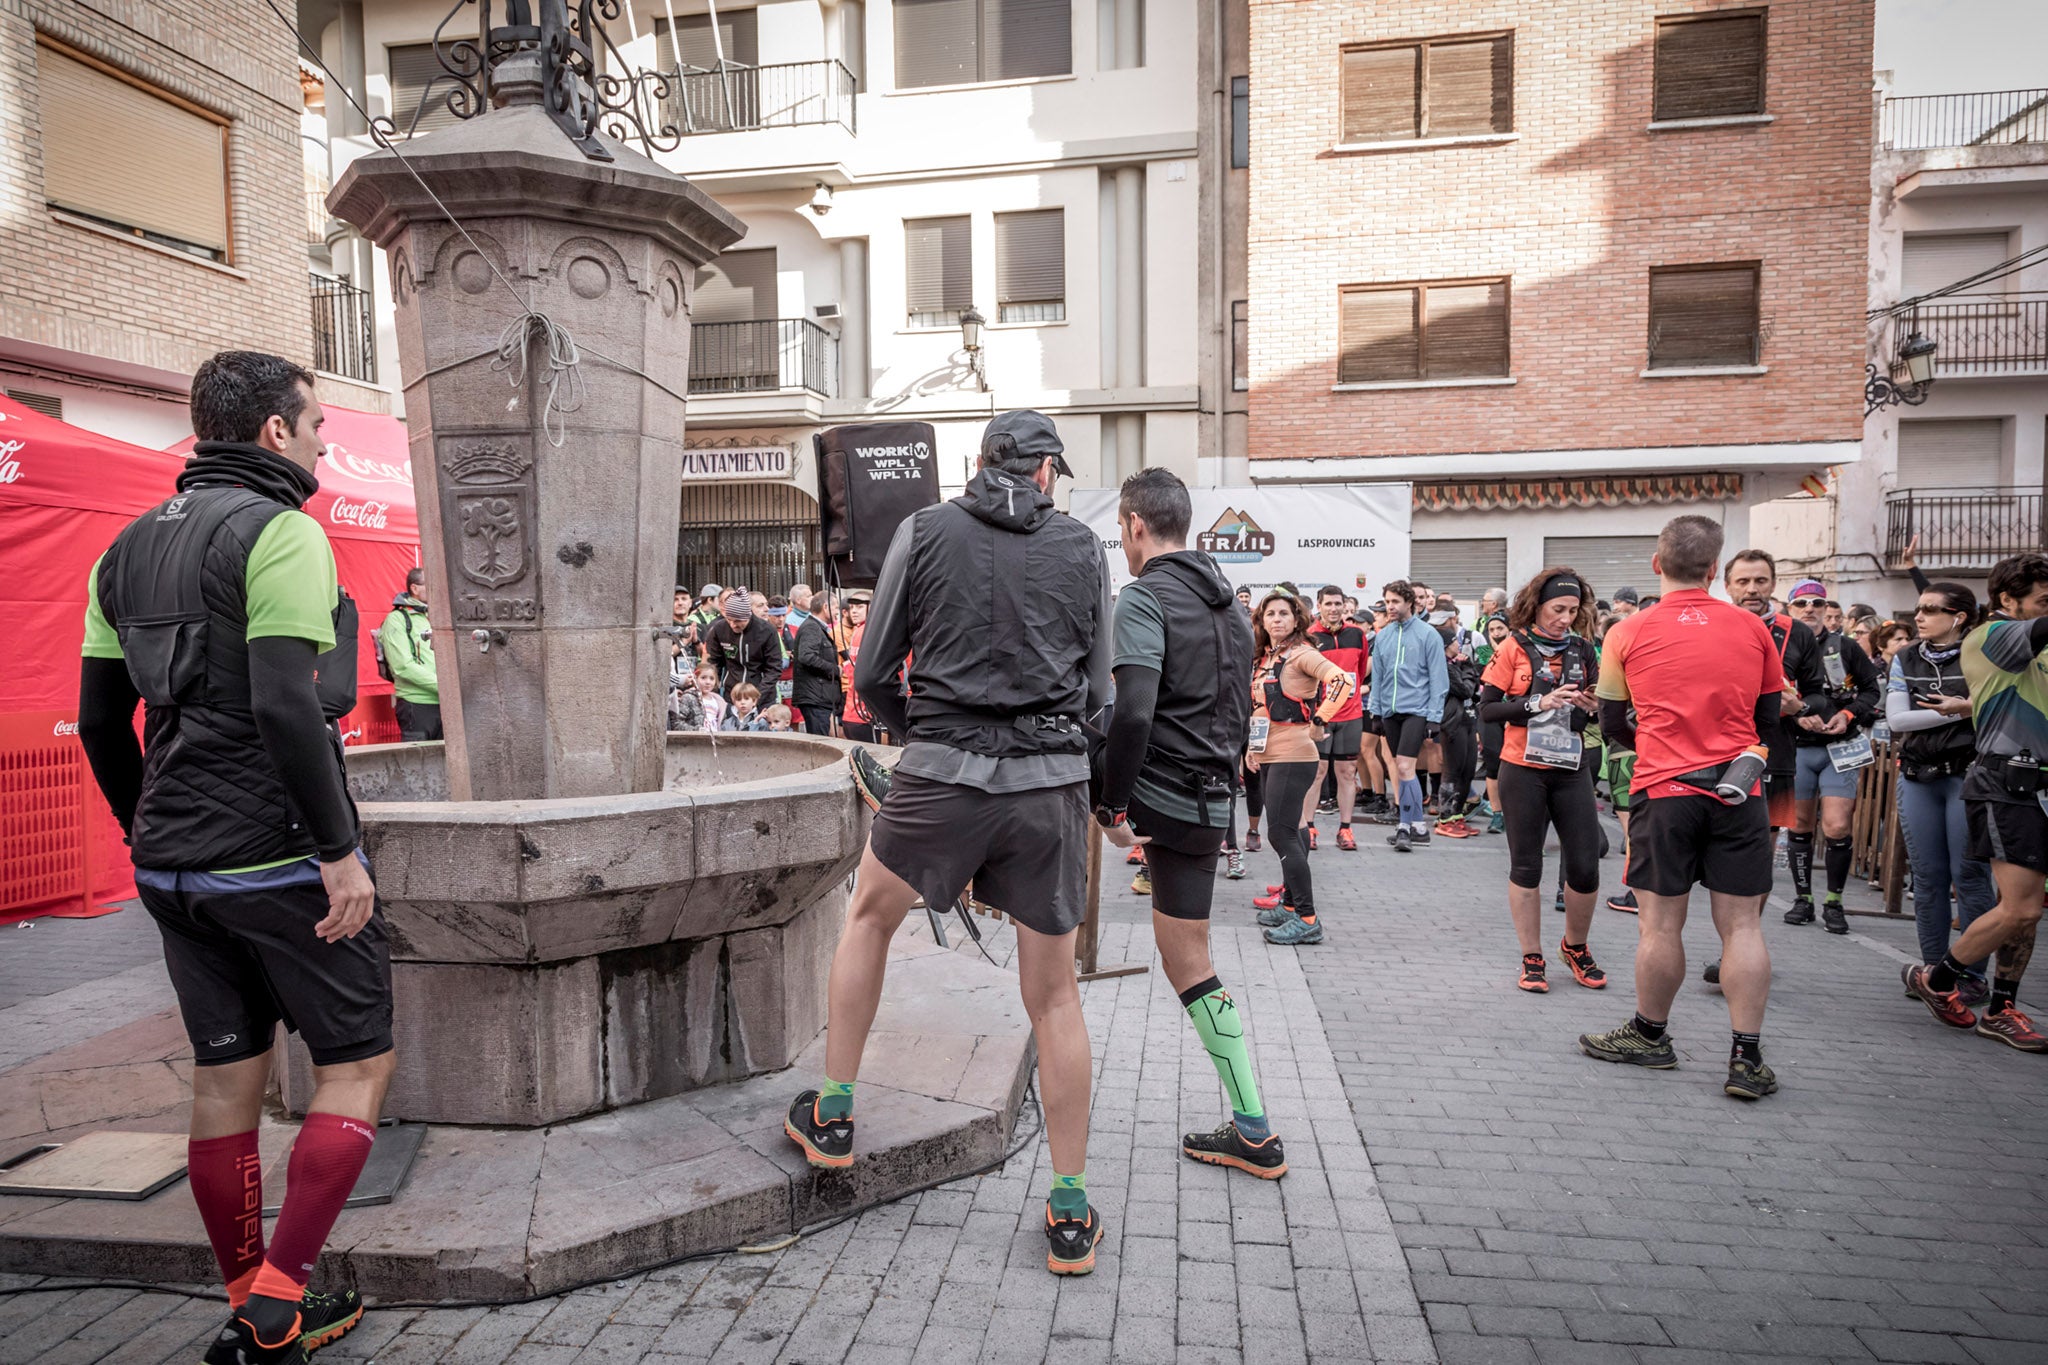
[1676, 842]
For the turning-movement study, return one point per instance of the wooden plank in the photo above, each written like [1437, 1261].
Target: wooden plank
[105, 1165]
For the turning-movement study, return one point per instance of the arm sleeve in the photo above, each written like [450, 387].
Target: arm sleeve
[886, 641]
[1766, 713]
[106, 727]
[2011, 645]
[1899, 711]
[1615, 724]
[1921, 581]
[1336, 686]
[297, 739]
[1868, 703]
[1497, 708]
[1130, 732]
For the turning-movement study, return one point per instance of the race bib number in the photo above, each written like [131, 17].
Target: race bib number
[1880, 733]
[1261, 725]
[1552, 742]
[1847, 755]
[783, 688]
[1837, 672]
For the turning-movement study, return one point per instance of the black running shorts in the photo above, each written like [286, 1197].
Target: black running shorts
[1675, 842]
[1024, 852]
[1181, 859]
[1340, 741]
[242, 962]
[1406, 734]
[2008, 832]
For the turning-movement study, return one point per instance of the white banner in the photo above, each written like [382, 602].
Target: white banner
[1353, 535]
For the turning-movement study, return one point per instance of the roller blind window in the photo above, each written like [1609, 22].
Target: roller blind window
[1704, 317]
[1952, 453]
[1460, 87]
[962, 42]
[131, 158]
[1606, 562]
[1937, 261]
[1709, 65]
[1466, 569]
[938, 270]
[420, 87]
[1031, 266]
[1453, 329]
[736, 287]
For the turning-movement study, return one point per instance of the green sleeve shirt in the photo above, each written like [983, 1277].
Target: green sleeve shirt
[410, 655]
[290, 586]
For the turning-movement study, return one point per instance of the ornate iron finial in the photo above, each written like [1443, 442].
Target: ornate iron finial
[576, 94]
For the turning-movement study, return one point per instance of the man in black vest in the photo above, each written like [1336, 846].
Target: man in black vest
[220, 610]
[1183, 666]
[1001, 605]
[815, 686]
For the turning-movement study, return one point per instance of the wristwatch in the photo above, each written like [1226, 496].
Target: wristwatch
[1534, 706]
[1109, 817]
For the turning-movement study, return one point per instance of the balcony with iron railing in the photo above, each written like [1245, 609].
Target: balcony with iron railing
[746, 98]
[1982, 119]
[344, 329]
[1962, 530]
[1986, 334]
[764, 356]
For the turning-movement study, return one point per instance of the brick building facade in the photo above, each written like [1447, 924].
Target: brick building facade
[1539, 160]
[109, 322]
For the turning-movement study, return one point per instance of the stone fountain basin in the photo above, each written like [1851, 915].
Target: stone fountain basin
[556, 958]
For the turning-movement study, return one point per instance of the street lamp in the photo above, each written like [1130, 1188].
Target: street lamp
[1916, 356]
[970, 341]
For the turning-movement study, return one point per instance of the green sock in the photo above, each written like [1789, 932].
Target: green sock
[1070, 1195]
[1222, 1032]
[835, 1101]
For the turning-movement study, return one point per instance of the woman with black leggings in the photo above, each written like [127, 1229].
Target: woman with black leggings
[1539, 688]
[1286, 724]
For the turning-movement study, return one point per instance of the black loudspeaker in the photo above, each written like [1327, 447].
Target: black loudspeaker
[870, 477]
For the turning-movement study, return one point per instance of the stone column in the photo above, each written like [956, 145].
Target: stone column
[549, 564]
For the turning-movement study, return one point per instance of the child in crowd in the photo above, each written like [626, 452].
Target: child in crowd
[743, 716]
[778, 718]
[712, 705]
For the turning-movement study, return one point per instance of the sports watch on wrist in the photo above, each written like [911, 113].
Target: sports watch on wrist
[1109, 817]
[1534, 706]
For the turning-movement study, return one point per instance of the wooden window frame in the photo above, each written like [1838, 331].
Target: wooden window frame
[1422, 288]
[1762, 13]
[1422, 46]
[1756, 269]
[222, 121]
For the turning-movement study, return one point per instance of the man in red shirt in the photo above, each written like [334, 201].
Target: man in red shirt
[1704, 678]
[1344, 645]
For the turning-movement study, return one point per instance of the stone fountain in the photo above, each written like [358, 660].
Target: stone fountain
[609, 943]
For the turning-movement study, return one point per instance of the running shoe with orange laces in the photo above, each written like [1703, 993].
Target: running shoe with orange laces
[1532, 978]
[1946, 1006]
[1135, 856]
[1311, 838]
[1584, 969]
[2013, 1029]
[1071, 1242]
[1456, 827]
[1344, 839]
[1269, 901]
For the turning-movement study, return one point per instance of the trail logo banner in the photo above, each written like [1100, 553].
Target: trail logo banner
[1236, 539]
[1352, 534]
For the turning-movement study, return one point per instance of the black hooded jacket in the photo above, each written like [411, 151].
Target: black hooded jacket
[1000, 603]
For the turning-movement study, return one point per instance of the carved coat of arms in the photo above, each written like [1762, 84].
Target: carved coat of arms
[490, 501]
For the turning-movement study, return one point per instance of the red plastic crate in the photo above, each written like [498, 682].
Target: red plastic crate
[61, 851]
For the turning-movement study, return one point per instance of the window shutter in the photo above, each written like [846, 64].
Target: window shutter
[1935, 262]
[1022, 38]
[1703, 317]
[48, 404]
[1463, 568]
[1377, 336]
[1710, 67]
[1031, 256]
[1466, 336]
[1946, 453]
[1606, 562]
[939, 269]
[738, 30]
[936, 42]
[119, 153]
[413, 69]
[1470, 88]
[736, 287]
[1379, 94]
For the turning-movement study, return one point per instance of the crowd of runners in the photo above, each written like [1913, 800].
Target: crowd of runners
[1715, 721]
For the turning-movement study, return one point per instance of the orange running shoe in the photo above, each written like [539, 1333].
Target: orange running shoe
[1271, 902]
[1136, 855]
[1532, 978]
[1344, 839]
[1584, 969]
[2013, 1029]
[1311, 838]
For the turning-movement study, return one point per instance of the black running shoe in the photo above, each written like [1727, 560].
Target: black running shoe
[1625, 902]
[1712, 974]
[1402, 840]
[1391, 815]
[1626, 1044]
[1227, 1147]
[826, 1143]
[238, 1344]
[870, 778]
[1749, 1080]
[1832, 916]
[1801, 911]
[1071, 1242]
[327, 1318]
[1419, 838]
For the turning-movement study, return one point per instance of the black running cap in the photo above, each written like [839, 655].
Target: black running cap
[1024, 434]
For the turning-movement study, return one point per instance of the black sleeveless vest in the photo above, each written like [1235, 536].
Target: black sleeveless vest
[1946, 750]
[1204, 703]
[172, 587]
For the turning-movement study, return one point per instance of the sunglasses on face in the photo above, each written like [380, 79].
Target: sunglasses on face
[1809, 601]
[1935, 611]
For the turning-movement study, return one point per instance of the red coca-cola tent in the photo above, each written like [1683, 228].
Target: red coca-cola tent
[65, 493]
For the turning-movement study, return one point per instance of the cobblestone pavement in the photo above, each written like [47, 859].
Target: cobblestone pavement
[1891, 1203]
[39, 957]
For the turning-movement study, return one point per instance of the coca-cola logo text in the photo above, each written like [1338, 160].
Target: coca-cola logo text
[65, 727]
[368, 469]
[10, 468]
[371, 516]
